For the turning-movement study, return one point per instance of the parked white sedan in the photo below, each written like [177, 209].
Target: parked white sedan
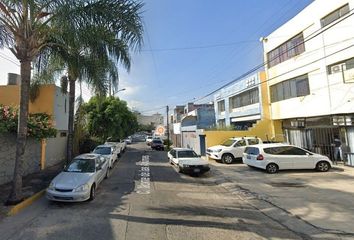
[275, 157]
[109, 151]
[187, 161]
[79, 180]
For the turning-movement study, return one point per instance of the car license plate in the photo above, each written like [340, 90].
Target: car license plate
[196, 170]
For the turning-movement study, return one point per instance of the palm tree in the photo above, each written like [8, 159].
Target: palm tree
[27, 27]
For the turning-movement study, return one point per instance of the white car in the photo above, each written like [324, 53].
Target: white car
[231, 149]
[79, 180]
[120, 146]
[148, 140]
[187, 161]
[109, 151]
[275, 157]
[128, 140]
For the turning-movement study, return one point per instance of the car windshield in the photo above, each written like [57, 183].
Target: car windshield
[187, 154]
[228, 143]
[81, 166]
[102, 150]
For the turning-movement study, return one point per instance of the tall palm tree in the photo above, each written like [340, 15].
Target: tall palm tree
[29, 26]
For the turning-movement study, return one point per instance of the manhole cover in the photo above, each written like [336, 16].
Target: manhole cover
[287, 184]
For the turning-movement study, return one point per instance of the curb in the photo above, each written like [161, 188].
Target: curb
[27, 202]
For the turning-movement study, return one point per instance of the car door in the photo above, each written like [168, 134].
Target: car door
[280, 156]
[98, 173]
[301, 158]
[238, 148]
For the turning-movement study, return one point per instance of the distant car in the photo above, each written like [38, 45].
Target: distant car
[275, 157]
[231, 149]
[109, 151]
[187, 161]
[80, 179]
[128, 140]
[157, 144]
[148, 140]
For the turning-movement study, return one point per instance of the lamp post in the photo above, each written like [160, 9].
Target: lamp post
[119, 90]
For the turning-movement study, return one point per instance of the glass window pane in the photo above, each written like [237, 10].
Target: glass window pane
[302, 87]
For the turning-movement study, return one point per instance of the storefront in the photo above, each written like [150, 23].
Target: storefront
[317, 134]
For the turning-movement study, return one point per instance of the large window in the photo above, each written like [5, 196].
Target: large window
[346, 68]
[336, 14]
[287, 50]
[295, 87]
[221, 106]
[246, 98]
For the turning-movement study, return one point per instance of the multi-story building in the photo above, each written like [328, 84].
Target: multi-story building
[310, 72]
[154, 120]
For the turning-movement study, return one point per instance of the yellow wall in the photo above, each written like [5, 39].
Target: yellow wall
[9, 95]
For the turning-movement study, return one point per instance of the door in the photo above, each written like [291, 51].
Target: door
[301, 159]
[238, 148]
[280, 156]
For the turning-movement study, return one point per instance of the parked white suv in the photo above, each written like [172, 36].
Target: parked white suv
[231, 149]
[274, 157]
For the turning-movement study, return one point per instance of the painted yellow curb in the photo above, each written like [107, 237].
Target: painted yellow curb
[22, 205]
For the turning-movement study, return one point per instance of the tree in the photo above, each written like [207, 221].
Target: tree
[27, 27]
[91, 53]
[109, 117]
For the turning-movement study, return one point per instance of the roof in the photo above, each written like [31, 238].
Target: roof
[238, 138]
[105, 145]
[182, 149]
[265, 145]
[88, 156]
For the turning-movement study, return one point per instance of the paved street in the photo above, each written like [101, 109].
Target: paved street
[169, 206]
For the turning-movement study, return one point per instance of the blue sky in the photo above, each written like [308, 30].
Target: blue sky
[192, 47]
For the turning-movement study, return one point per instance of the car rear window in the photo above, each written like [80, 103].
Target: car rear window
[157, 141]
[252, 150]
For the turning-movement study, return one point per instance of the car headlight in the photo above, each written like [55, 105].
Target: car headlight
[51, 186]
[82, 188]
[218, 150]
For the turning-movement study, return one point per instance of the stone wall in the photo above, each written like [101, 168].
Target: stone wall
[55, 150]
[32, 156]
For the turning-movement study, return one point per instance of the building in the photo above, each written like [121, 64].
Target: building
[310, 72]
[153, 120]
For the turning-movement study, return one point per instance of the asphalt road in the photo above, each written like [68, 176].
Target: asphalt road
[146, 198]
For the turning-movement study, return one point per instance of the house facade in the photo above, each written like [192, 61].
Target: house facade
[310, 73]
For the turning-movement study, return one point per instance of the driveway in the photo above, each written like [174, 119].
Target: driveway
[324, 200]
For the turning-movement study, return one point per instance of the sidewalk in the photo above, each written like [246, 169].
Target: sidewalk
[32, 184]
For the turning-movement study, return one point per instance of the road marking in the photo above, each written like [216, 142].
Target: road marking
[143, 187]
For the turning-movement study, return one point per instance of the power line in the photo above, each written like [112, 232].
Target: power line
[9, 59]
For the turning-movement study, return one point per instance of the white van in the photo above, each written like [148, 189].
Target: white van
[232, 149]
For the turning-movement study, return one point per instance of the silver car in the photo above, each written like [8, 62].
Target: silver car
[79, 180]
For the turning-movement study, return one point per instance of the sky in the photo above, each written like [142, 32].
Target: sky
[191, 47]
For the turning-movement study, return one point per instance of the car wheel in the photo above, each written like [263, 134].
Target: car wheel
[323, 166]
[107, 173]
[272, 168]
[93, 192]
[227, 158]
[170, 161]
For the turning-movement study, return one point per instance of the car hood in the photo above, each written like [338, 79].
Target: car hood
[70, 180]
[192, 161]
[217, 147]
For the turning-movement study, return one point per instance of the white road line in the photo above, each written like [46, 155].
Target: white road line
[143, 187]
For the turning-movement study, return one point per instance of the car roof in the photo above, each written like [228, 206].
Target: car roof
[267, 145]
[88, 156]
[105, 145]
[182, 149]
[238, 138]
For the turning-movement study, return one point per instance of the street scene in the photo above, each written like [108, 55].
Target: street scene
[166, 119]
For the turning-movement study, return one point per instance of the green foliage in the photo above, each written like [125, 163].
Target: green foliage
[109, 117]
[146, 128]
[39, 124]
[89, 143]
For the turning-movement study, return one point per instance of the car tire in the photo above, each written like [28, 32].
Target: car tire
[170, 161]
[272, 168]
[92, 192]
[227, 158]
[323, 166]
[107, 173]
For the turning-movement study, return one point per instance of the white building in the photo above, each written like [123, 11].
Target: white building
[310, 73]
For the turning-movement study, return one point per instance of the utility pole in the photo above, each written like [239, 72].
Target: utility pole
[168, 129]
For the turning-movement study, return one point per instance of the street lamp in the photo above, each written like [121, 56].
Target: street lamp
[120, 90]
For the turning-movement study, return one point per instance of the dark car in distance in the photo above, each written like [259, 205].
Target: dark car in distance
[157, 144]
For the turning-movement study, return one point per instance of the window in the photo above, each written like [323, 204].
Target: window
[253, 141]
[295, 151]
[252, 150]
[246, 98]
[345, 68]
[240, 143]
[173, 153]
[287, 50]
[285, 150]
[62, 134]
[221, 106]
[295, 87]
[336, 14]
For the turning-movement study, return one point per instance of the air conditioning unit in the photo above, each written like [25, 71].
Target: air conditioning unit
[338, 68]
